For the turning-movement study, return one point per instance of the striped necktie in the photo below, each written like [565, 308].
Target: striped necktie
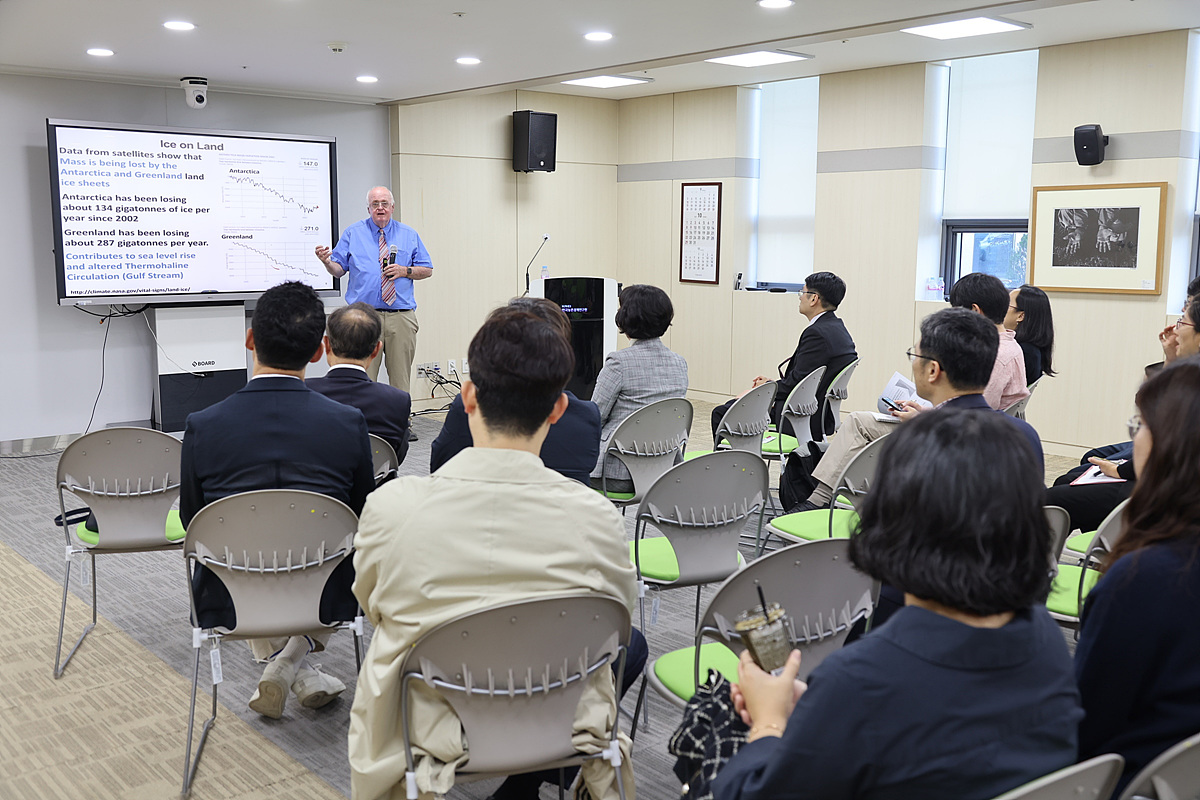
[387, 286]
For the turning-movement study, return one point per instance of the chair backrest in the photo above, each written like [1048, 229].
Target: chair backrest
[129, 478]
[274, 550]
[836, 393]
[384, 460]
[747, 420]
[650, 440]
[1017, 409]
[814, 582]
[1106, 534]
[1174, 775]
[855, 480]
[1060, 528]
[514, 674]
[701, 506]
[801, 405]
[1093, 779]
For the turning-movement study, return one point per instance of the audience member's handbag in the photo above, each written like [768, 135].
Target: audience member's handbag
[711, 733]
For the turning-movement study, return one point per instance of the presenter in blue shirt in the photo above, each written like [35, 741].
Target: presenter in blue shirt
[364, 252]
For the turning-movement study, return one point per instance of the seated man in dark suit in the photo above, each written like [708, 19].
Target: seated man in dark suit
[824, 342]
[351, 344]
[276, 433]
[573, 443]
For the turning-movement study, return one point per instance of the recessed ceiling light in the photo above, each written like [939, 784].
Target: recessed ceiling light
[607, 81]
[598, 36]
[776, 3]
[367, 79]
[760, 59]
[178, 25]
[99, 51]
[959, 28]
[467, 61]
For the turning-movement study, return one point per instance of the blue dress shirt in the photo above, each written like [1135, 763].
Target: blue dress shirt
[358, 253]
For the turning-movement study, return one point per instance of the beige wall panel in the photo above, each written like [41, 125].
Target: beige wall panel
[465, 210]
[766, 327]
[646, 128]
[704, 312]
[479, 126]
[872, 108]
[706, 124]
[587, 126]
[644, 240]
[1134, 83]
[577, 206]
[866, 229]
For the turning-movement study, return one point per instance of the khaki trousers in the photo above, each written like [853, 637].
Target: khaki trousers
[859, 430]
[399, 347]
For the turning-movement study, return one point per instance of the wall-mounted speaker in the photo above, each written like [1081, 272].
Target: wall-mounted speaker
[534, 133]
[1089, 145]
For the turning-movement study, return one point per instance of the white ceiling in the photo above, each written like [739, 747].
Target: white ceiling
[281, 46]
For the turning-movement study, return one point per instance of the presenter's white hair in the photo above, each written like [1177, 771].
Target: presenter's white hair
[391, 199]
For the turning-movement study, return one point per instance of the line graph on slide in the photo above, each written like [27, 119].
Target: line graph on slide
[268, 263]
[252, 197]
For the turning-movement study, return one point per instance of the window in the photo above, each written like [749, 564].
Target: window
[989, 165]
[787, 184]
[996, 247]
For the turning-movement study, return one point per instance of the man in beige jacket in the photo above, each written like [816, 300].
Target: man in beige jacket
[492, 526]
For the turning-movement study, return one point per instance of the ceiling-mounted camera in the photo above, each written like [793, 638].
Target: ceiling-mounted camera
[195, 91]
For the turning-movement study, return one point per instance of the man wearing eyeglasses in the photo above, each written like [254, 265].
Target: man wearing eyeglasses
[950, 367]
[382, 280]
[824, 342]
[1090, 500]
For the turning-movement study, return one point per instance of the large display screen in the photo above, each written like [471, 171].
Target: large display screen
[167, 215]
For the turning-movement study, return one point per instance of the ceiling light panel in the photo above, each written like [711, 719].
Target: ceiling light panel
[607, 81]
[598, 36]
[178, 25]
[761, 58]
[99, 51]
[467, 61]
[961, 28]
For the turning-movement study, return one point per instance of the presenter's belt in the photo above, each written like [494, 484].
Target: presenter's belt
[393, 310]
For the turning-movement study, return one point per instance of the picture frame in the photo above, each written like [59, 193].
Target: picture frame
[1104, 238]
[700, 233]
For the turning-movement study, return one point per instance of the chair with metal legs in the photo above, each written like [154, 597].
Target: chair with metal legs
[514, 675]
[129, 478]
[274, 551]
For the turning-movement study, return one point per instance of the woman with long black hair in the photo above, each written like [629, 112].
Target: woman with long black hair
[1029, 315]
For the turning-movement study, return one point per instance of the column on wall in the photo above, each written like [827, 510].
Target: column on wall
[880, 163]
[1139, 90]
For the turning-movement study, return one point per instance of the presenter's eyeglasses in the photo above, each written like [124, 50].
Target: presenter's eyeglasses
[380, 204]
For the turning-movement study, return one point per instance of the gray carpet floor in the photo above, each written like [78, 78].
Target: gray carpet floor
[144, 595]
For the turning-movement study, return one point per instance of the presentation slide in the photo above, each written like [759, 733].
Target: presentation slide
[175, 216]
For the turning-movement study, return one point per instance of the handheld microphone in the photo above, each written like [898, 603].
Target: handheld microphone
[545, 238]
[392, 255]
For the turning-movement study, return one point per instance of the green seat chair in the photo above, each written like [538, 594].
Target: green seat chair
[823, 595]
[648, 442]
[1073, 581]
[129, 478]
[838, 521]
[802, 403]
[745, 423]
[832, 404]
